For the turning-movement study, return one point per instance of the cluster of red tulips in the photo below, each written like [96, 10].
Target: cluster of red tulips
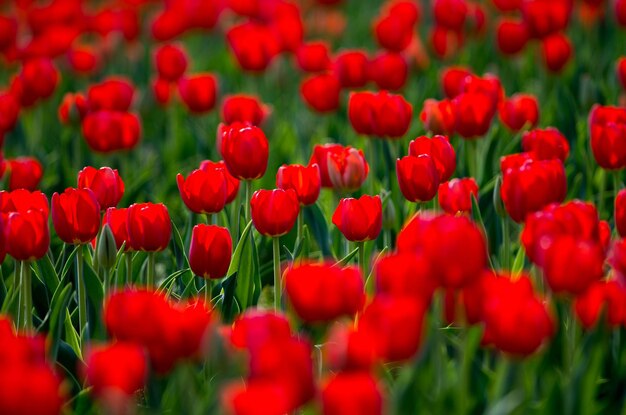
[260, 256]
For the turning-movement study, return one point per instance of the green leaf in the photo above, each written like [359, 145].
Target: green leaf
[236, 258]
[478, 218]
[248, 277]
[44, 269]
[58, 305]
[71, 337]
[346, 259]
[518, 263]
[316, 221]
[69, 262]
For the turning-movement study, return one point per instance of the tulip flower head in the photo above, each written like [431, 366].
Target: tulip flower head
[359, 219]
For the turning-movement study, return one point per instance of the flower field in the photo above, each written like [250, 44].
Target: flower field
[334, 207]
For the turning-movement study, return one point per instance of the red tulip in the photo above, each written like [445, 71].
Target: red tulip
[76, 215]
[453, 80]
[348, 349]
[321, 92]
[305, 181]
[244, 109]
[405, 275]
[519, 111]
[83, 60]
[454, 246]
[359, 219]
[473, 113]
[320, 157]
[274, 212]
[456, 195]
[245, 151]
[210, 251]
[388, 70]
[511, 36]
[22, 200]
[253, 45]
[198, 92]
[113, 94]
[72, 110]
[607, 126]
[37, 79]
[105, 183]
[107, 131]
[232, 183]
[149, 227]
[620, 12]
[347, 168]
[313, 57]
[352, 394]
[556, 51]
[546, 144]
[350, 67]
[544, 17]
[620, 69]
[9, 111]
[603, 296]
[23, 172]
[532, 185]
[507, 5]
[323, 292]
[418, 177]
[171, 62]
[203, 191]
[116, 219]
[394, 325]
[381, 114]
[445, 42]
[394, 30]
[438, 117]
[27, 234]
[620, 212]
[487, 84]
[450, 14]
[117, 368]
[255, 327]
[440, 150]
[162, 91]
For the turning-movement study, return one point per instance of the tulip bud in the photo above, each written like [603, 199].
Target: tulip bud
[106, 250]
[497, 198]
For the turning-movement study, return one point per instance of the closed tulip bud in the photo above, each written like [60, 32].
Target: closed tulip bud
[108, 131]
[388, 70]
[38, 79]
[519, 111]
[27, 234]
[347, 169]
[198, 92]
[105, 183]
[441, 152]
[313, 57]
[607, 127]
[72, 110]
[352, 393]
[9, 111]
[556, 51]
[162, 91]
[232, 183]
[393, 31]
[456, 195]
[274, 212]
[511, 36]
[113, 94]
[546, 144]
[473, 113]
[23, 173]
[245, 151]
[203, 191]
[116, 220]
[620, 70]
[418, 177]
[546, 17]
[603, 298]
[76, 215]
[453, 80]
[305, 181]
[244, 109]
[149, 227]
[210, 251]
[445, 43]
[381, 114]
[321, 92]
[106, 248]
[170, 62]
[438, 117]
[359, 219]
[488, 85]
[405, 275]
[532, 185]
[323, 292]
[116, 369]
[253, 45]
[320, 157]
[450, 14]
[83, 60]
[350, 67]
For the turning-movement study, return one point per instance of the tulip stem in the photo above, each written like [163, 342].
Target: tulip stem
[300, 226]
[277, 282]
[129, 267]
[248, 185]
[472, 158]
[601, 194]
[361, 257]
[506, 243]
[83, 328]
[27, 302]
[150, 274]
[616, 184]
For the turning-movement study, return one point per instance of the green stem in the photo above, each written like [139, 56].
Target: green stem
[601, 194]
[207, 291]
[82, 297]
[300, 226]
[361, 258]
[28, 296]
[277, 281]
[506, 238]
[150, 274]
[616, 183]
[248, 185]
[129, 267]
[472, 158]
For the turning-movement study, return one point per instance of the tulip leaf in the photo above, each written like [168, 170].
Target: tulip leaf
[248, 280]
[69, 262]
[478, 219]
[346, 259]
[58, 305]
[71, 336]
[236, 258]
[169, 281]
[518, 263]
[44, 269]
[95, 294]
[179, 247]
[315, 220]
